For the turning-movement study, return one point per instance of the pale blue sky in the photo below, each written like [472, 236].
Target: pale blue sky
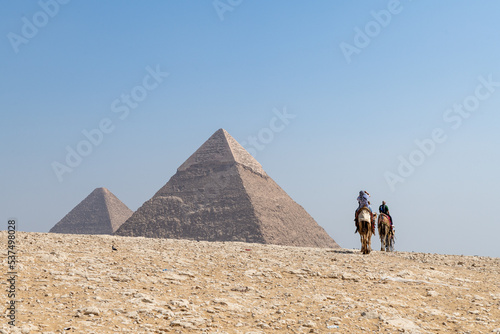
[354, 119]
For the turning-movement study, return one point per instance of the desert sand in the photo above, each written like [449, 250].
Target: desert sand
[78, 284]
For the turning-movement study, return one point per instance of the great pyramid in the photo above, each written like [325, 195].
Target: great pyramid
[221, 193]
[101, 212]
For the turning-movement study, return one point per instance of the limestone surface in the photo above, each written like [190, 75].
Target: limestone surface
[78, 284]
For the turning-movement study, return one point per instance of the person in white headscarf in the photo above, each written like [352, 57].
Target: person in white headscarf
[363, 201]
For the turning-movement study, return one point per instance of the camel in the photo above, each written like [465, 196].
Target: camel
[365, 229]
[385, 233]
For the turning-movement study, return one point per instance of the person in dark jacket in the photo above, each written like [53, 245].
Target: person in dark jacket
[385, 210]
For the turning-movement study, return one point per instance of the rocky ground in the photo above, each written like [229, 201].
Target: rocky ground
[78, 284]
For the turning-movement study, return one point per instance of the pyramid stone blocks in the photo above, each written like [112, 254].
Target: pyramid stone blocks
[101, 212]
[221, 193]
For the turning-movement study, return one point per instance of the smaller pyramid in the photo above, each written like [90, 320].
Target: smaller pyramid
[101, 212]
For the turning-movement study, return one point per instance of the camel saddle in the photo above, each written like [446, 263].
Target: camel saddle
[389, 220]
[386, 216]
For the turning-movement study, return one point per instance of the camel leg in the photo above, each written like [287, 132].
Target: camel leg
[386, 244]
[362, 246]
[360, 230]
[381, 233]
[361, 236]
[363, 241]
[367, 250]
[369, 241]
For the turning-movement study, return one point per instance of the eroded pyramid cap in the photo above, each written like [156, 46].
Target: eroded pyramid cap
[221, 147]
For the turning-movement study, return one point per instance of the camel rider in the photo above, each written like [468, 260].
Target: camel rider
[363, 202]
[385, 210]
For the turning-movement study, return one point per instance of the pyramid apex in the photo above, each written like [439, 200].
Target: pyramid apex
[222, 132]
[221, 147]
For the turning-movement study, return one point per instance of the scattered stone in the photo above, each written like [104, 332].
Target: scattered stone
[350, 277]
[90, 311]
[309, 324]
[213, 287]
[370, 315]
[432, 293]
[405, 324]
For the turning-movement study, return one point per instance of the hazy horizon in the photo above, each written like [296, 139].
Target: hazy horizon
[399, 98]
